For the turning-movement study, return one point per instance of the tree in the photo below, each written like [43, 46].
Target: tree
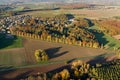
[65, 74]
[41, 55]
[118, 53]
[80, 68]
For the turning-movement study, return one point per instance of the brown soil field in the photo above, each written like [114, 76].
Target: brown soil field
[98, 13]
[16, 56]
[57, 51]
[17, 74]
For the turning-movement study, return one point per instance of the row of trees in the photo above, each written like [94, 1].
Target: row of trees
[64, 40]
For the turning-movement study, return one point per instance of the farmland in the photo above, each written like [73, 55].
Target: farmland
[56, 51]
[12, 56]
[65, 36]
[22, 60]
[92, 14]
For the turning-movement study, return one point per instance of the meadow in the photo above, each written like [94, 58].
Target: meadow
[108, 41]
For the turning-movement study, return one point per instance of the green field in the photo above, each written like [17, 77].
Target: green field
[108, 41]
[5, 43]
[18, 8]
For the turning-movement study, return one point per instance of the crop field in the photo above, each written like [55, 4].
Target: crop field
[92, 14]
[96, 14]
[12, 56]
[57, 51]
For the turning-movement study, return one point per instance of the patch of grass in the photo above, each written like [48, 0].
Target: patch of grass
[7, 43]
[117, 17]
[106, 39]
[19, 8]
[112, 43]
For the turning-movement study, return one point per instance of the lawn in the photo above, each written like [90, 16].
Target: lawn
[5, 43]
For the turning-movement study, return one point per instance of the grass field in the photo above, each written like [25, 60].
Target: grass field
[5, 43]
[18, 8]
[106, 39]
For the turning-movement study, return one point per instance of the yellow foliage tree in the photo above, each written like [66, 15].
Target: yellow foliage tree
[41, 55]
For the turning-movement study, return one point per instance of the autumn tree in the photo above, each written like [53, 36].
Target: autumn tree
[41, 55]
[63, 75]
[80, 68]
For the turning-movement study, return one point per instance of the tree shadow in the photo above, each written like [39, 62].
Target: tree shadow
[23, 75]
[5, 42]
[70, 16]
[98, 59]
[54, 52]
[89, 22]
[111, 45]
[4, 71]
[99, 36]
[59, 69]
[70, 61]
